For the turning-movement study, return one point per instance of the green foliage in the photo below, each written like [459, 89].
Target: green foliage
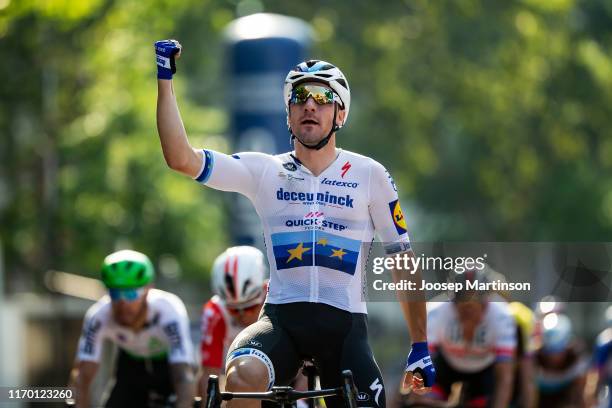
[493, 116]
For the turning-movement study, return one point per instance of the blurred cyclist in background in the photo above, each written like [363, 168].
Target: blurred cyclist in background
[602, 365]
[239, 285]
[472, 341]
[561, 365]
[524, 392]
[151, 330]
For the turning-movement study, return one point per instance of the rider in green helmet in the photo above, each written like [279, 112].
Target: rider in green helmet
[128, 274]
[151, 330]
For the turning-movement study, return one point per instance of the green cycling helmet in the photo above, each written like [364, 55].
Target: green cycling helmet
[127, 269]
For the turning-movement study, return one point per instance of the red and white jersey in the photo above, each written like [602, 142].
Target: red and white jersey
[494, 338]
[218, 332]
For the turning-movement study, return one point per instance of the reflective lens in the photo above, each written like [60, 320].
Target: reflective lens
[129, 295]
[320, 94]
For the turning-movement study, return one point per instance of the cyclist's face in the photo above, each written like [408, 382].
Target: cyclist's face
[470, 312]
[310, 121]
[129, 313]
[247, 316]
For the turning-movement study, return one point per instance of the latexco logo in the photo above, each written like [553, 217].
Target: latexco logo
[337, 183]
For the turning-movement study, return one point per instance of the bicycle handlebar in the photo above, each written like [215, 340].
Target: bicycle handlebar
[283, 395]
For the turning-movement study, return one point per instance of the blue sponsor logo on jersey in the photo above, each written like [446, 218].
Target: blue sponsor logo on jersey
[325, 198]
[329, 182]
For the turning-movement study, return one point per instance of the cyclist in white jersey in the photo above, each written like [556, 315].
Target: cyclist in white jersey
[317, 204]
[151, 330]
[472, 341]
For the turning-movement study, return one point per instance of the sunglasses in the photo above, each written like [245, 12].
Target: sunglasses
[320, 94]
[239, 312]
[129, 295]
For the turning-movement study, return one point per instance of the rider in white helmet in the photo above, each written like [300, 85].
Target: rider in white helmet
[239, 285]
[561, 364]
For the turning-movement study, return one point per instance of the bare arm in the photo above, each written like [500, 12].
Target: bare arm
[526, 377]
[503, 384]
[179, 154]
[414, 308]
[184, 384]
[81, 378]
[413, 304]
[203, 383]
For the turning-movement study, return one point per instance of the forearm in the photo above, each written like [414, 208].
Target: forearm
[81, 377]
[184, 384]
[82, 397]
[177, 150]
[503, 385]
[528, 391]
[413, 305]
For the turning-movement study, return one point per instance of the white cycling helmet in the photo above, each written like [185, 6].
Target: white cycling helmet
[238, 276]
[323, 72]
[556, 332]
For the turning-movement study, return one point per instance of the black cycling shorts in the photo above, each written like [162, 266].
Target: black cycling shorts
[335, 340]
[478, 387]
[140, 382]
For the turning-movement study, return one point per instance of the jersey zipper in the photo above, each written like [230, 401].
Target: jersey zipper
[314, 281]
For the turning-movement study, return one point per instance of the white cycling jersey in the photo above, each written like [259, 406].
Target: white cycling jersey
[166, 331]
[494, 338]
[314, 226]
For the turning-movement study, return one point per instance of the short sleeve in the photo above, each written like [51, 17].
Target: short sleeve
[214, 331]
[176, 328]
[505, 339]
[93, 334]
[386, 212]
[240, 173]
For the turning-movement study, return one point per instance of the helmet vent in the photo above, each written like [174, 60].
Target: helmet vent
[296, 76]
[323, 75]
[141, 272]
[247, 283]
[229, 284]
[342, 82]
[128, 264]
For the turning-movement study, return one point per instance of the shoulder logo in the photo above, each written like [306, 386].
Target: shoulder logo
[345, 167]
[391, 180]
[290, 166]
[398, 217]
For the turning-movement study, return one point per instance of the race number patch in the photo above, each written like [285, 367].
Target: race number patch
[398, 217]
